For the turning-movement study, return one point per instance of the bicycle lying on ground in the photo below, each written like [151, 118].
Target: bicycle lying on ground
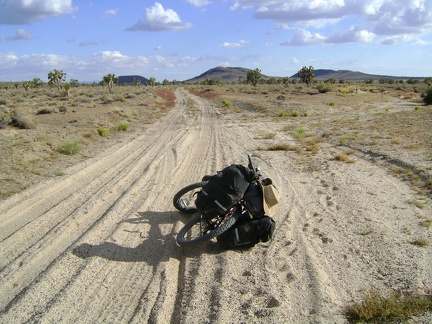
[203, 228]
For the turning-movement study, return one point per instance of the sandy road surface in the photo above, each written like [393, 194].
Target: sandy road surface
[98, 245]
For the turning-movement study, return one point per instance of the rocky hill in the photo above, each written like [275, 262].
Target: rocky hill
[130, 79]
[224, 74]
[236, 74]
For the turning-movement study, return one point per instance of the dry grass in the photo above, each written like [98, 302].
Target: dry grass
[344, 157]
[34, 141]
[395, 307]
[385, 122]
[168, 96]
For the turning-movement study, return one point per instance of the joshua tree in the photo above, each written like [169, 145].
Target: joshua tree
[73, 82]
[151, 82]
[306, 75]
[37, 82]
[110, 80]
[26, 85]
[67, 87]
[56, 78]
[253, 76]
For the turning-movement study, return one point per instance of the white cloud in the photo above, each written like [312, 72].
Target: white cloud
[240, 43]
[300, 11]
[352, 35]
[303, 37]
[199, 3]
[92, 68]
[403, 17]
[26, 11]
[156, 18]
[21, 34]
[88, 43]
[110, 13]
[8, 60]
[378, 17]
[396, 39]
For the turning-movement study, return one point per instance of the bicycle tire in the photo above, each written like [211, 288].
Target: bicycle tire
[204, 234]
[182, 205]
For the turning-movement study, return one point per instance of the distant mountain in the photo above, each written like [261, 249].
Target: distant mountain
[347, 75]
[223, 74]
[130, 79]
[236, 74]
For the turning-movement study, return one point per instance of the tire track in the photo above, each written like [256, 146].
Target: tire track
[108, 195]
[95, 209]
[99, 245]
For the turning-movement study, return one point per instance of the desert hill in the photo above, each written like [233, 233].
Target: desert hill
[130, 78]
[224, 74]
[236, 74]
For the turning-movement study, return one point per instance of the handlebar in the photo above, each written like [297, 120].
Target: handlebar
[255, 171]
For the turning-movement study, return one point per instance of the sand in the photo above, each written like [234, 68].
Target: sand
[97, 244]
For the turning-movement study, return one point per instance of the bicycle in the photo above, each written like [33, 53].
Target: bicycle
[199, 229]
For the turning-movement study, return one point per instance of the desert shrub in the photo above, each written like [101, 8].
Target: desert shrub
[269, 135]
[282, 114]
[385, 309]
[346, 90]
[106, 99]
[427, 223]
[88, 135]
[295, 113]
[280, 147]
[102, 131]
[83, 100]
[227, 103]
[324, 87]
[427, 99]
[5, 117]
[69, 147]
[44, 111]
[23, 122]
[344, 158]
[300, 133]
[123, 127]
[120, 98]
[420, 242]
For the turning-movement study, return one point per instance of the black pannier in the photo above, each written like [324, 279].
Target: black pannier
[253, 199]
[223, 190]
[247, 232]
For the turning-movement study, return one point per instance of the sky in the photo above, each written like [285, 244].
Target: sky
[180, 39]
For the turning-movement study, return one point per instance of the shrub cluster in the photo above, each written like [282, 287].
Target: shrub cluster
[427, 99]
[5, 117]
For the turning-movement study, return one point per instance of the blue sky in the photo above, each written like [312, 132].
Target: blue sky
[180, 39]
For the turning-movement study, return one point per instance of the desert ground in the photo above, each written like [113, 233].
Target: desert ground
[89, 236]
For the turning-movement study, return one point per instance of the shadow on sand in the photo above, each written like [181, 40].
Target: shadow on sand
[155, 247]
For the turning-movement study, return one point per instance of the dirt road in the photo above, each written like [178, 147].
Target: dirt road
[98, 244]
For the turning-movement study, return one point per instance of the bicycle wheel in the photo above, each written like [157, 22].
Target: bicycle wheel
[184, 200]
[201, 230]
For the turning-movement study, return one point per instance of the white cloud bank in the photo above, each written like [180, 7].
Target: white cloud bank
[16, 12]
[93, 67]
[393, 19]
